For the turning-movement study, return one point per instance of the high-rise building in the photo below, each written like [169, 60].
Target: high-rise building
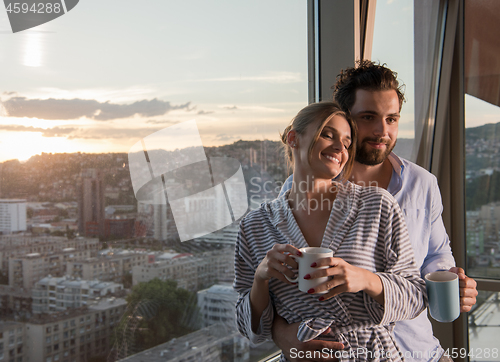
[153, 213]
[12, 215]
[91, 203]
[160, 222]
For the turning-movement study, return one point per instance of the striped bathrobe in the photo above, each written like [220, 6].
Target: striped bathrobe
[366, 229]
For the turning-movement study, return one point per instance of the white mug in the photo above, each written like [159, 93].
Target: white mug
[309, 256]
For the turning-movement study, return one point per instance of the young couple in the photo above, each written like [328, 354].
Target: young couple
[375, 286]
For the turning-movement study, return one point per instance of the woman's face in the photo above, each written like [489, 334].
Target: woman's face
[329, 154]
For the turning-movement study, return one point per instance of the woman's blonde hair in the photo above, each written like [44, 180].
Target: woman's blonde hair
[322, 113]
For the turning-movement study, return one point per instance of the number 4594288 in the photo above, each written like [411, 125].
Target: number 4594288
[477, 353]
[37, 8]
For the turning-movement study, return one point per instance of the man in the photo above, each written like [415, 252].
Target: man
[373, 97]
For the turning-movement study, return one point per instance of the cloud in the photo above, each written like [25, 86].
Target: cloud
[49, 132]
[56, 109]
[231, 108]
[153, 121]
[112, 133]
[205, 112]
[226, 137]
[90, 133]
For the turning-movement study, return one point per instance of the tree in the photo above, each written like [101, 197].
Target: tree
[157, 312]
[127, 280]
[70, 233]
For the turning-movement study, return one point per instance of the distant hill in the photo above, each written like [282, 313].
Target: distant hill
[482, 165]
[53, 177]
[482, 148]
[487, 132]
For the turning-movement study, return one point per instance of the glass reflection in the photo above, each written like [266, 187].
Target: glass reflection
[395, 48]
[484, 328]
[482, 139]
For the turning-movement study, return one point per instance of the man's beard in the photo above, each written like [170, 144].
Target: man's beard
[371, 157]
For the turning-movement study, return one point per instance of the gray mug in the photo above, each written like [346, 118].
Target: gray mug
[444, 295]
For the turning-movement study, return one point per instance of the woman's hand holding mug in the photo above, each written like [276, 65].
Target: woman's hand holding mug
[276, 262]
[345, 278]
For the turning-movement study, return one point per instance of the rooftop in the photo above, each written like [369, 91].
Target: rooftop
[189, 344]
[100, 305]
[14, 291]
[108, 303]
[222, 289]
[32, 255]
[70, 282]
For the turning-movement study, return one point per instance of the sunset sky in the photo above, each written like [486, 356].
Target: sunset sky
[109, 73]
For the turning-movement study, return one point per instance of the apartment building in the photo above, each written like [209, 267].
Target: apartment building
[190, 272]
[213, 343]
[107, 267]
[119, 227]
[12, 215]
[12, 341]
[26, 270]
[15, 246]
[75, 335]
[217, 305]
[14, 302]
[58, 294]
[27, 239]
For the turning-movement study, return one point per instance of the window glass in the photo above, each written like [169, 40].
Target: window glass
[484, 323]
[76, 95]
[482, 136]
[393, 45]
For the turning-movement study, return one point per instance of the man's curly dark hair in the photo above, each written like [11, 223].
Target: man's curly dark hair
[365, 75]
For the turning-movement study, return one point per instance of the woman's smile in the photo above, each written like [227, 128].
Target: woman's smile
[332, 158]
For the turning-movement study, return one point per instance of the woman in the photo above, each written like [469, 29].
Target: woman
[373, 278]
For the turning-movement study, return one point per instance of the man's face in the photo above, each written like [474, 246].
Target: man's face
[377, 116]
